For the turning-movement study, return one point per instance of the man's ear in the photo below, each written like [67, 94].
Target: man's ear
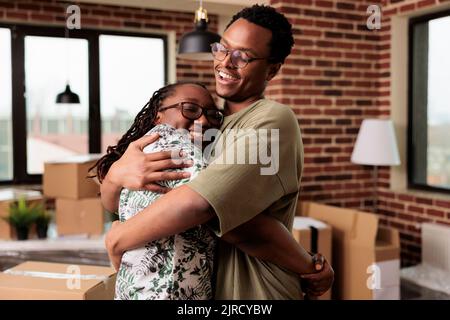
[273, 70]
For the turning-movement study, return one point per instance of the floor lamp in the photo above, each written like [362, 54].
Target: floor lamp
[376, 146]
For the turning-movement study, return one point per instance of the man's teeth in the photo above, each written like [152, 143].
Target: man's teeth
[226, 75]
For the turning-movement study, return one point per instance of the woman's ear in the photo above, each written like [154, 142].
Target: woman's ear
[273, 70]
[157, 119]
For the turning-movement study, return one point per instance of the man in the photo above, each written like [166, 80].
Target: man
[228, 195]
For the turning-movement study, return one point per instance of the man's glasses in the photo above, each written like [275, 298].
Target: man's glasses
[193, 111]
[238, 58]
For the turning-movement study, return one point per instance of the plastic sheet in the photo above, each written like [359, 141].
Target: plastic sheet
[428, 276]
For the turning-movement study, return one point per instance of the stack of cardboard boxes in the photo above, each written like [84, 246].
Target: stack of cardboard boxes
[366, 258]
[78, 211]
[77, 202]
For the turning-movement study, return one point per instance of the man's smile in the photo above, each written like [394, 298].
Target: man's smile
[226, 77]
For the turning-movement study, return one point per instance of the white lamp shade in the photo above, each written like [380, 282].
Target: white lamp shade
[376, 144]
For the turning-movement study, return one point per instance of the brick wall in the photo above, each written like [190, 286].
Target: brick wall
[331, 81]
[52, 12]
[338, 75]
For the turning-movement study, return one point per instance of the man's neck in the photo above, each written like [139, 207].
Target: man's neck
[232, 107]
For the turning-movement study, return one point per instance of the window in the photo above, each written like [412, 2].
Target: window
[50, 63]
[429, 118]
[113, 73]
[6, 154]
[131, 69]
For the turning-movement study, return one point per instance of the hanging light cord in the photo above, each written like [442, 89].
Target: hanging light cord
[67, 54]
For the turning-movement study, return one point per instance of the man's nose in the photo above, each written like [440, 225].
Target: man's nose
[227, 61]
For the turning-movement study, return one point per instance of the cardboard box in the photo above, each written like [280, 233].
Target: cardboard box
[315, 237]
[55, 281]
[366, 258]
[84, 216]
[68, 178]
[7, 197]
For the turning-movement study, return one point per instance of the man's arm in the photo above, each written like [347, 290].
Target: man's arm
[182, 208]
[175, 212]
[262, 237]
[266, 238]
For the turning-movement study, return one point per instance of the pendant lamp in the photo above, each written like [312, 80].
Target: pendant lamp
[196, 45]
[67, 96]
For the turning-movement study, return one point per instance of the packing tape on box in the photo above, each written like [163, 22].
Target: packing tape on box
[55, 275]
[314, 239]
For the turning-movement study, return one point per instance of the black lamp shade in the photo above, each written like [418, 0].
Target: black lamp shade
[196, 45]
[67, 96]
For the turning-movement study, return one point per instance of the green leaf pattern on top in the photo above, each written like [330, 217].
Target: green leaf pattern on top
[173, 268]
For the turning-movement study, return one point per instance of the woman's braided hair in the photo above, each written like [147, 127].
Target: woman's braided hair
[144, 121]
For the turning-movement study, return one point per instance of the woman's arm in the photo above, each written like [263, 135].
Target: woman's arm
[267, 239]
[109, 194]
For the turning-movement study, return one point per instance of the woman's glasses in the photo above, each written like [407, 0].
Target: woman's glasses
[193, 111]
[239, 58]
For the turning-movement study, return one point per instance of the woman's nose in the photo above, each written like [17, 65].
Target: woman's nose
[202, 123]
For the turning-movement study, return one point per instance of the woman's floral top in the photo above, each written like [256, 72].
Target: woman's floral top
[176, 267]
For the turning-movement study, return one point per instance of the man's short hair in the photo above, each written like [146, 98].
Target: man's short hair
[267, 17]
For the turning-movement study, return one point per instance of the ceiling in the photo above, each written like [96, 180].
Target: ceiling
[222, 7]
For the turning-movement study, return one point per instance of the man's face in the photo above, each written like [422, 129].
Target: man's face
[239, 84]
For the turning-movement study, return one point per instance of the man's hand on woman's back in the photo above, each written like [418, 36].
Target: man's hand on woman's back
[136, 170]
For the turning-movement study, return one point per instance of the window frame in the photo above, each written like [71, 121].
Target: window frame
[19, 124]
[12, 109]
[411, 145]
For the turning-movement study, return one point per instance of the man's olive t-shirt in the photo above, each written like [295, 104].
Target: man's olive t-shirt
[238, 192]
